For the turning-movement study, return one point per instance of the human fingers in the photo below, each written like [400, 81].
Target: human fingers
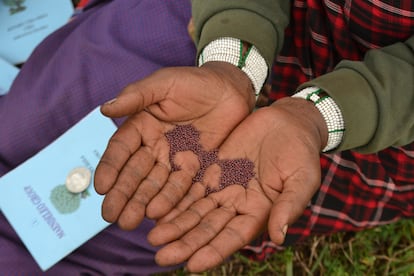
[132, 174]
[138, 95]
[237, 215]
[123, 143]
[251, 214]
[164, 233]
[170, 94]
[196, 192]
[134, 211]
[290, 204]
[209, 226]
[178, 183]
[173, 191]
[210, 180]
[235, 235]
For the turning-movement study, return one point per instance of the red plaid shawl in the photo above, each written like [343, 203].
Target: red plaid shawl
[358, 191]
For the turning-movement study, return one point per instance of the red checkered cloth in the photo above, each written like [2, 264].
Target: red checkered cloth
[82, 4]
[80, 7]
[358, 191]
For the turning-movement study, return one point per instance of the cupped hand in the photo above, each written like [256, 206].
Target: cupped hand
[213, 228]
[135, 173]
[283, 141]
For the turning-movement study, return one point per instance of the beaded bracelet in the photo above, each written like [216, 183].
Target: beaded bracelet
[230, 50]
[330, 112]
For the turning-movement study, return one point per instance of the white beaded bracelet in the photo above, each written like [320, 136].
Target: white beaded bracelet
[330, 112]
[230, 50]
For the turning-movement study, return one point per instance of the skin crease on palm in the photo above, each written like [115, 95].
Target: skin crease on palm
[283, 141]
[207, 231]
[133, 172]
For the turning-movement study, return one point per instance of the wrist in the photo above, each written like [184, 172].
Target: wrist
[308, 121]
[330, 113]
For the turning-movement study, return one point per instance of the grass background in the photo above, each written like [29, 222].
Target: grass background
[385, 250]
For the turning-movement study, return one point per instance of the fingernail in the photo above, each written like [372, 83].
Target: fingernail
[284, 230]
[110, 101]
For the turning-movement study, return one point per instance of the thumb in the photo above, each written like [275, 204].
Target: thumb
[137, 96]
[288, 207]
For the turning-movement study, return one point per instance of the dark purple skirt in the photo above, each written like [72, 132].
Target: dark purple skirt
[74, 70]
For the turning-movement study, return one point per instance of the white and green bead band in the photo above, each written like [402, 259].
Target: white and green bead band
[230, 50]
[330, 112]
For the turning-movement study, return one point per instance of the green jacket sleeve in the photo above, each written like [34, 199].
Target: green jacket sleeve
[376, 97]
[261, 23]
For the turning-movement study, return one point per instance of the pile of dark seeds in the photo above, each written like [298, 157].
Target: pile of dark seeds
[233, 171]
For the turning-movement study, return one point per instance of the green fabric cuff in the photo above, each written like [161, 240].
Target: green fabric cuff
[237, 23]
[357, 102]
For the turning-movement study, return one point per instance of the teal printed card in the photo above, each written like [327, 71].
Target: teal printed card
[25, 23]
[50, 220]
[8, 73]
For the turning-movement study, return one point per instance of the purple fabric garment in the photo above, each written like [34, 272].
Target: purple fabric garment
[74, 70]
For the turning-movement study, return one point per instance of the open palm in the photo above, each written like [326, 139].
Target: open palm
[135, 173]
[284, 145]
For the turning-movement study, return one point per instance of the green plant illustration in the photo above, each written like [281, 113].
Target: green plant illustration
[15, 6]
[64, 201]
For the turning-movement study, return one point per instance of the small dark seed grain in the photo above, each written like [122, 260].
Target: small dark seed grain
[233, 171]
